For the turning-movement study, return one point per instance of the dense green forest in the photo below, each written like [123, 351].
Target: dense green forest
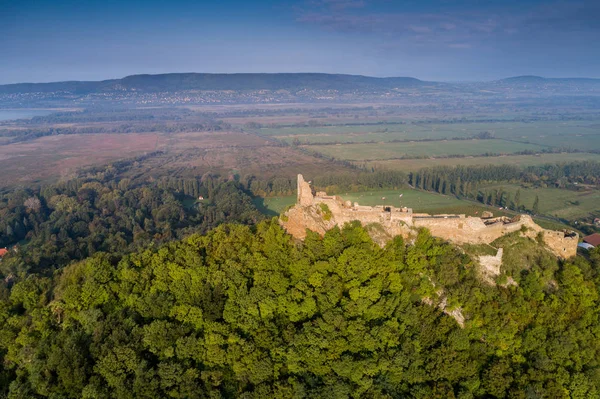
[54, 225]
[246, 312]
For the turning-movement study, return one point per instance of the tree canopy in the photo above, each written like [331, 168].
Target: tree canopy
[247, 312]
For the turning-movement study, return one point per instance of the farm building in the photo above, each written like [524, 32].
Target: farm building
[593, 239]
[585, 245]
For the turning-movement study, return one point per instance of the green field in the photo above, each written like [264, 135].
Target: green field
[574, 134]
[274, 205]
[564, 204]
[411, 165]
[577, 142]
[420, 201]
[379, 151]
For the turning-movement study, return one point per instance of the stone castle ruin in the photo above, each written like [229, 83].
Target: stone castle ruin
[320, 212]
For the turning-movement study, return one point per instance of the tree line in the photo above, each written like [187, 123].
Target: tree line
[332, 183]
[21, 135]
[467, 181]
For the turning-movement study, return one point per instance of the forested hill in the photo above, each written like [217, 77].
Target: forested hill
[539, 79]
[176, 82]
[246, 312]
[206, 81]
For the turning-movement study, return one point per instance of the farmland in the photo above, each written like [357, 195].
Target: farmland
[559, 132]
[272, 141]
[357, 152]
[411, 144]
[411, 165]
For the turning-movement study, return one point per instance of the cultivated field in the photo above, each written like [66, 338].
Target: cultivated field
[379, 151]
[412, 165]
[550, 133]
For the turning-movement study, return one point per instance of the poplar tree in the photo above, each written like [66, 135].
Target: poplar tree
[517, 198]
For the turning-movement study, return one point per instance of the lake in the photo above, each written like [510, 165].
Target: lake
[8, 114]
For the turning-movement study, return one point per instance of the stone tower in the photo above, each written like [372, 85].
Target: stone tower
[305, 197]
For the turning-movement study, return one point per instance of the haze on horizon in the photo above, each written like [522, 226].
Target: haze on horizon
[463, 40]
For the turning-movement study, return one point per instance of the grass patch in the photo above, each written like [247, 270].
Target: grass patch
[325, 211]
[479, 249]
[273, 206]
[522, 253]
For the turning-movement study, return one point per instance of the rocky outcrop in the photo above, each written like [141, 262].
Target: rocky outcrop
[490, 266]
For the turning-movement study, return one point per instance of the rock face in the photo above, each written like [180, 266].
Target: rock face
[322, 212]
[491, 265]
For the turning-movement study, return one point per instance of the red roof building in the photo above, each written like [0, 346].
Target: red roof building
[3, 251]
[593, 239]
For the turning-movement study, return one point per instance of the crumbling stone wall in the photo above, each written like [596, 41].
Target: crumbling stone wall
[459, 229]
[305, 196]
[563, 245]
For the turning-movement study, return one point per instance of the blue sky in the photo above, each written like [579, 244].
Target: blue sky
[43, 40]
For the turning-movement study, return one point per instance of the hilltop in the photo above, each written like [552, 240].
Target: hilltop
[322, 212]
[247, 312]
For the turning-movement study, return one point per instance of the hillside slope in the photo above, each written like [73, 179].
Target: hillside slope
[249, 313]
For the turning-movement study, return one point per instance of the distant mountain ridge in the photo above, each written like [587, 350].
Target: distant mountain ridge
[274, 87]
[208, 81]
[540, 79]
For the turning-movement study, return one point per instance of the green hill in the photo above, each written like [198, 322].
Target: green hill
[207, 81]
[246, 312]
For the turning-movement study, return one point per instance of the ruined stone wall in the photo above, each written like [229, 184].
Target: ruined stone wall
[305, 197]
[458, 230]
[309, 214]
[561, 245]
